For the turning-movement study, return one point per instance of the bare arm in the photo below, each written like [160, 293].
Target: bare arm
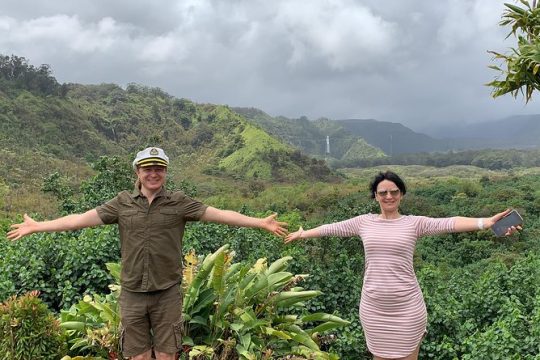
[233, 218]
[69, 222]
[303, 234]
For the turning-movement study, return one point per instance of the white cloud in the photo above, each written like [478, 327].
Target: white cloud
[160, 49]
[344, 33]
[62, 31]
[469, 21]
[412, 60]
[6, 23]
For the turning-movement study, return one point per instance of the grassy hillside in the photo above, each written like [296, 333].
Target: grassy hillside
[310, 136]
[392, 138]
[105, 119]
[350, 140]
[51, 127]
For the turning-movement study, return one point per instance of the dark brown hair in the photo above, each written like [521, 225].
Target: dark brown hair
[390, 176]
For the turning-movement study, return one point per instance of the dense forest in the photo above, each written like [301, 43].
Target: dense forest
[68, 148]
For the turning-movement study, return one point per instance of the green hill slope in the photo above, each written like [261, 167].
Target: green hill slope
[68, 125]
[310, 136]
[86, 121]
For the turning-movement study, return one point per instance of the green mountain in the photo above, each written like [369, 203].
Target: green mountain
[322, 138]
[73, 121]
[61, 127]
[344, 142]
[392, 138]
[380, 138]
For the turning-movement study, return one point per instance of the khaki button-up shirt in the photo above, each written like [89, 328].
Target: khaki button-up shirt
[151, 236]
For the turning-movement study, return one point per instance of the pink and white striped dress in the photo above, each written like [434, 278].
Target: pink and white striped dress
[392, 309]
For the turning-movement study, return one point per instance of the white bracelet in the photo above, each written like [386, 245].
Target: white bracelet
[481, 224]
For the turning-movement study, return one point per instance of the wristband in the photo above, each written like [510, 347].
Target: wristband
[480, 224]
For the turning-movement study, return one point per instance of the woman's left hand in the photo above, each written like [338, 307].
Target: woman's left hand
[492, 220]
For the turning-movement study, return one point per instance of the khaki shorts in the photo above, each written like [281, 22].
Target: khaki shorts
[158, 311]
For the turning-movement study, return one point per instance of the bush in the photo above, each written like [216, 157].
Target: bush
[29, 330]
[232, 311]
[63, 266]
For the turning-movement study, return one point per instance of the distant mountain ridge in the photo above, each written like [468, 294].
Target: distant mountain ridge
[392, 138]
[74, 122]
[322, 138]
[519, 131]
[389, 139]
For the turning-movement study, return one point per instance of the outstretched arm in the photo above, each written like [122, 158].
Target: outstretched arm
[471, 224]
[69, 222]
[303, 234]
[233, 218]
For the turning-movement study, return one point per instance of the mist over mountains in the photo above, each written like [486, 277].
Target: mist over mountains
[521, 132]
[518, 132]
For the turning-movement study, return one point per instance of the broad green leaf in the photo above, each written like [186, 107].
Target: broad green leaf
[237, 326]
[218, 274]
[324, 327]
[206, 298]
[289, 298]
[260, 283]
[186, 340]
[302, 337]
[193, 290]
[74, 325]
[199, 320]
[278, 265]
[277, 333]
[324, 317]
[278, 279]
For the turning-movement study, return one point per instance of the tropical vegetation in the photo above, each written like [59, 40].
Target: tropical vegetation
[521, 64]
[243, 287]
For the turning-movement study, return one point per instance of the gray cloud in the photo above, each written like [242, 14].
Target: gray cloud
[416, 62]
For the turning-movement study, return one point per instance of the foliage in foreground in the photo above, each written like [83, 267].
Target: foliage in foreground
[488, 310]
[481, 292]
[93, 325]
[29, 330]
[231, 311]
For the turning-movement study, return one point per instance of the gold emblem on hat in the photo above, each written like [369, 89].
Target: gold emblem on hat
[154, 151]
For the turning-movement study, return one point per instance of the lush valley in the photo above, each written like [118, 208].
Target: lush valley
[68, 147]
[385, 140]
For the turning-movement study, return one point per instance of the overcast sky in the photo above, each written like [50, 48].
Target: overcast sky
[411, 61]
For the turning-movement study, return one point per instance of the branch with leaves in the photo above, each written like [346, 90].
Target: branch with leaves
[520, 74]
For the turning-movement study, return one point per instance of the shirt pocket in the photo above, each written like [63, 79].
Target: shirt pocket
[169, 218]
[130, 219]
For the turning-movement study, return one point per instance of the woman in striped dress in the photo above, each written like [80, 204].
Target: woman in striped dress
[392, 309]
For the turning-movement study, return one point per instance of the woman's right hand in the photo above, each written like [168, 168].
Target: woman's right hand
[297, 235]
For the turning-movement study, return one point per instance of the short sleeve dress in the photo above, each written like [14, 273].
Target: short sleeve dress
[392, 309]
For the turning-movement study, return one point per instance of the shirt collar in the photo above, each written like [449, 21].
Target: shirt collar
[137, 193]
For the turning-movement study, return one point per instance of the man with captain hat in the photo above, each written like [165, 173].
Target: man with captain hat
[151, 222]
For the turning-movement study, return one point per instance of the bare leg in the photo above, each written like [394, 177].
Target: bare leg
[144, 356]
[411, 356]
[165, 356]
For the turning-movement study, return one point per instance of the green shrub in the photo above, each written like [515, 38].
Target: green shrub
[233, 311]
[251, 310]
[63, 266]
[29, 330]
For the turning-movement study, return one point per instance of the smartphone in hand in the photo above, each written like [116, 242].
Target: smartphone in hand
[512, 219]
